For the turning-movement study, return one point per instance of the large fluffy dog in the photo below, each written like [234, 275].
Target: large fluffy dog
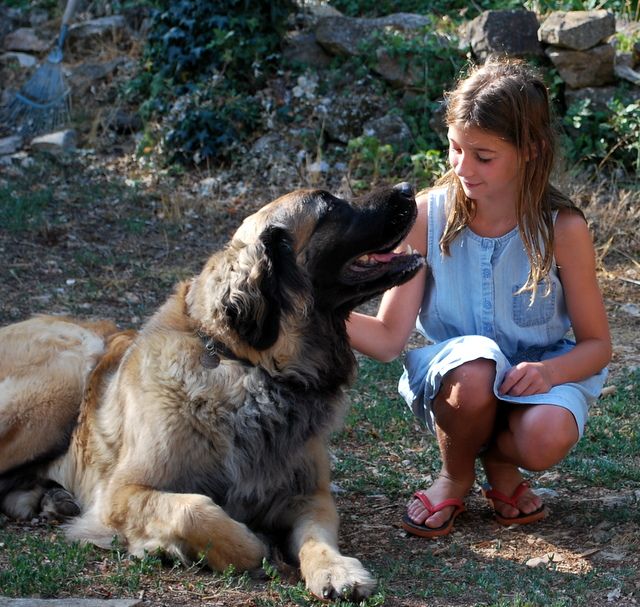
[205, 433]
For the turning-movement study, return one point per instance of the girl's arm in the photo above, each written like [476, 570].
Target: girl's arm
[575, 257]
[384, 336]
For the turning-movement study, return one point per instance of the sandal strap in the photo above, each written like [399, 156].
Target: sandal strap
[431, 509]
[492, 494]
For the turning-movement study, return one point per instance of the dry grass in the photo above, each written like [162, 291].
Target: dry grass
[613, 212]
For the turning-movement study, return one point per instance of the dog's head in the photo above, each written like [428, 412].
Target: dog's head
[307, 253]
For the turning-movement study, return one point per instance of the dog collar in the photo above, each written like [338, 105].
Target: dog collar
[214, 349]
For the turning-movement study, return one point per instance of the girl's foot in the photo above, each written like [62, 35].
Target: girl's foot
[443, 488]
[496, 497]
[505, 480]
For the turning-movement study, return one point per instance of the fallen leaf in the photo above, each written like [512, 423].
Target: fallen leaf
[589, 552]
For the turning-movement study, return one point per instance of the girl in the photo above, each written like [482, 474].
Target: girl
[512, 268]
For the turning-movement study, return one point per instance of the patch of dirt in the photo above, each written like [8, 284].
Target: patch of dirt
[105, 249]
[111, 243]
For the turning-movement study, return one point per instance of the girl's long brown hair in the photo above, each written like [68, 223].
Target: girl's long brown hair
[508, 99]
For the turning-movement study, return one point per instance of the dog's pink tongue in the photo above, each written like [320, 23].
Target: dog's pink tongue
[383, 257]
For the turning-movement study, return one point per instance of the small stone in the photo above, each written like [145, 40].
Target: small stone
[60, 141]
[10, 145]
[631, 309]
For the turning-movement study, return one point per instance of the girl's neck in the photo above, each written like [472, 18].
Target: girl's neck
[494, 219]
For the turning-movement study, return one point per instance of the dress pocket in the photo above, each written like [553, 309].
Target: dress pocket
[528, 314]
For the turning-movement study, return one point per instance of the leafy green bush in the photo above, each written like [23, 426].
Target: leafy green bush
[370, 161]
[608, 137]
[431, 59]
[198, 56]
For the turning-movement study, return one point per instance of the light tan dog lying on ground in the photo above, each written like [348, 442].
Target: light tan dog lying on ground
[205, 434]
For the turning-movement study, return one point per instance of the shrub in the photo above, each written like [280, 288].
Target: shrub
[608, 138]
[198, 56]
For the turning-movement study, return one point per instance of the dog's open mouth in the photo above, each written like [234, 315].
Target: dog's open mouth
[373, 265]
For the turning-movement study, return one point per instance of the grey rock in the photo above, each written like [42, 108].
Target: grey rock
[600, 97]
[513, 33]
[343, 35]
[84, 76]
[577, 30]
[22, 59]
[578, 69]
[60, 141]
[397, 71]
[312, 12]
[113, 29]
[624, 72]
[25, 39]
[10, 145]
[389, 129]
[303, 47]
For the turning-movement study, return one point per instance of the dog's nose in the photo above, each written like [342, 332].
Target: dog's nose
[406, 189]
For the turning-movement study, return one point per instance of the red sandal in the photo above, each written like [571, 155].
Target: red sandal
[524, 519]
[422, 530]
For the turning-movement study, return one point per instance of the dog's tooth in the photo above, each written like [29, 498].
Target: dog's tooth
[366, 260]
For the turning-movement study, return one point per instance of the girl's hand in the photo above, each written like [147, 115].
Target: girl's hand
[526, 379]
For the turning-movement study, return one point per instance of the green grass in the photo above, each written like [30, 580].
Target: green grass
[23, 210]
[42, 566]
[48, 566]
[609, 453]
[382, 450]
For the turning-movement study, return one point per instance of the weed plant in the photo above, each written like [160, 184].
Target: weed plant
[203, 61]
[204, 65]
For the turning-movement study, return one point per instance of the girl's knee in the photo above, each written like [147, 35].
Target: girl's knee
[470, 386]
[546, 435]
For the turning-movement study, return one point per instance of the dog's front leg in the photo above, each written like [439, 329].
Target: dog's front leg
[185, 525]
[314, 538]
[327, 573]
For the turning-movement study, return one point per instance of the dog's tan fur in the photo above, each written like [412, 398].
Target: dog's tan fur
[169, 453]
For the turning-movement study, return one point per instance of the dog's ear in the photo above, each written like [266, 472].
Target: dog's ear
[255, 307]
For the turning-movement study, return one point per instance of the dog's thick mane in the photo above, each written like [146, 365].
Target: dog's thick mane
[286, 401]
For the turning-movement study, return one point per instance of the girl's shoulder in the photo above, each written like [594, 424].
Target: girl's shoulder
[571, 235]
[437, 195]
[569, 221]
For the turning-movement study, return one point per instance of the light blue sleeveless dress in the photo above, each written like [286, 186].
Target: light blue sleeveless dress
[470, 310]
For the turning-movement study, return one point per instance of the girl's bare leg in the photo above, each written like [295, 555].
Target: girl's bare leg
[534, 437]
[465, 411]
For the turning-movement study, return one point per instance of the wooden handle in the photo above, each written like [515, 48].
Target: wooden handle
[69, 11]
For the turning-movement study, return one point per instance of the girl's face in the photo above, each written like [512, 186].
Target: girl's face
[486, 165]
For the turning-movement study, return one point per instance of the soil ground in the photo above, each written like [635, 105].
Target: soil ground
[111, 239]
[102, 248]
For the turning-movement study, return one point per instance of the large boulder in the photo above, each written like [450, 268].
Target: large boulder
[577, 30]
[25, 39]
[389, 129]
[578, 69]
[513, 33]
[87, 34]
[343, 36]
[599, 97]
[303, 47]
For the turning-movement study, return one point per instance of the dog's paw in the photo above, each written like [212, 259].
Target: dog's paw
[58, 503]
[339, 577]
[239, 547]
